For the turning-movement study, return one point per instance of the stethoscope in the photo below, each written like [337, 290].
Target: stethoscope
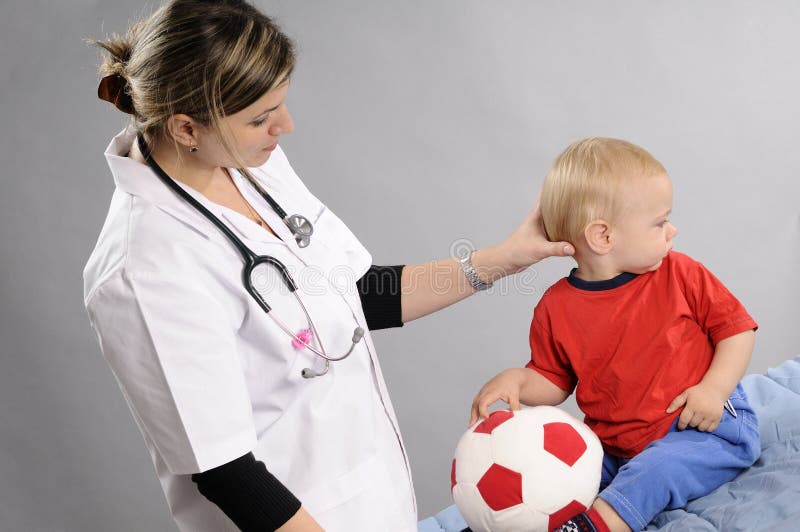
[301, 229]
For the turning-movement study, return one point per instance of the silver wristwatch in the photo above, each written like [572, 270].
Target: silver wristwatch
[472, 275]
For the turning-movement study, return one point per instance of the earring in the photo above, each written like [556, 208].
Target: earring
[193, 149]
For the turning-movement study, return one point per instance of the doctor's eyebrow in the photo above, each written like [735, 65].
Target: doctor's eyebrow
[262, 113]
[279, 85]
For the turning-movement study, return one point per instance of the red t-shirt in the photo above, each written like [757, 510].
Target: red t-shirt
[632, 344]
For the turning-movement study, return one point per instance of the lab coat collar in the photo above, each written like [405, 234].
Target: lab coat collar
[252, 230]
[139, 180]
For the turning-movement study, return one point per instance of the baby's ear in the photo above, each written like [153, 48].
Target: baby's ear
[598, 236]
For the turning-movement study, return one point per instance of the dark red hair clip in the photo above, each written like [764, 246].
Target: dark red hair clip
[112, 89]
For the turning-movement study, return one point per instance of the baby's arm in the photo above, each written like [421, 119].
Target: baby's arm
[704, 401]
[515, 386]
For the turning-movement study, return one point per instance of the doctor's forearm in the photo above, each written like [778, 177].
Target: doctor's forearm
[426, 288]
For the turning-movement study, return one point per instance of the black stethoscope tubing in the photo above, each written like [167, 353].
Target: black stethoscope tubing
[251, 260]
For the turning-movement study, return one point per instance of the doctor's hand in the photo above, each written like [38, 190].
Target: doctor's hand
[300, 522]
[506, 386]
[702, 407]
[528, 243]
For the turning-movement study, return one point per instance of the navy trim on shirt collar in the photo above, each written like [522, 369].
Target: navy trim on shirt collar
[596, 286]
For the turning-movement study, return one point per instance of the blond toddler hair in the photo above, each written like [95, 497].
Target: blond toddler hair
[587, 182]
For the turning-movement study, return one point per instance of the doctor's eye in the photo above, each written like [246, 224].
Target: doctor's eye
[260, 121]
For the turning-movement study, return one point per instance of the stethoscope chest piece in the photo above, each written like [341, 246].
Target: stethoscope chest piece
[301, 228]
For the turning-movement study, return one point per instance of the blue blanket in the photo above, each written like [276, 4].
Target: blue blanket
[766, 497]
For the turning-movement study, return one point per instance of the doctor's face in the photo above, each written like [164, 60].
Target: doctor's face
[255, 130]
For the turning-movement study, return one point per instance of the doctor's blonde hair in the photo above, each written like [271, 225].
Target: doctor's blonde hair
[205, 59]
[587, 182]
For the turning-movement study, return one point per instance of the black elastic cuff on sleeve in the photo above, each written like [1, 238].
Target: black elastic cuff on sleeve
[379, 290]
[248, 494]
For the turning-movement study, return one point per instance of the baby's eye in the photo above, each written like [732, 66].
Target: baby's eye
[662, 224]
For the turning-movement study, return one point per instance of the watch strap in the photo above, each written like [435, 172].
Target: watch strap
[471, 274]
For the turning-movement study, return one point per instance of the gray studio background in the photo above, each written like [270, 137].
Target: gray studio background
[420, 123]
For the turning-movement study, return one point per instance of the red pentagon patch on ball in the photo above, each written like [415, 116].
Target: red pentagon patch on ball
[494, 420]
[563, 441]
[501, 487]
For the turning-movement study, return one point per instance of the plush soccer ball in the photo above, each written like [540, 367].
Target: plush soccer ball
[527, 470]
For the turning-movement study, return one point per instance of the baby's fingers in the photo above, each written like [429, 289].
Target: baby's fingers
[705, 425]
[486, 399]
[710, 423]
[473, 414]
[685, 419]
[483, 406]
[479, 409]
[677, 402]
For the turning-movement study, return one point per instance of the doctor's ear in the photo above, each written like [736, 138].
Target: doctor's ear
[184, 129]
[598, 236]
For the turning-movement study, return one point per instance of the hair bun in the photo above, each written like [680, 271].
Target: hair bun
[119, 53]
[114, 89]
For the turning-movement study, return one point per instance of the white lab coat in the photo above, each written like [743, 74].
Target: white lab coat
[210, 377]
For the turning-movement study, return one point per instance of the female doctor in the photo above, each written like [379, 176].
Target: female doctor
[263, 406]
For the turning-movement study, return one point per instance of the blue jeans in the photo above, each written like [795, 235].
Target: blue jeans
[683, 465]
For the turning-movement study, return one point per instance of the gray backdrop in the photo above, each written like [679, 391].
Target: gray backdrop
[420, 123]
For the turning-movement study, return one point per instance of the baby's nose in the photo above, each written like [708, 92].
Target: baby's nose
[673, 231]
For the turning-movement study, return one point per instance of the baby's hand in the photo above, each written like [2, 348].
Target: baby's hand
[505, 385]
[703, 408]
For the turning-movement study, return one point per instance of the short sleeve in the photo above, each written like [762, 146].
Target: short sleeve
[716, 309]
[172, 349]
[379, 290]
[547, 357]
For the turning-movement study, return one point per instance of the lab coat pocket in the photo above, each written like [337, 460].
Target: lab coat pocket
[332, 494]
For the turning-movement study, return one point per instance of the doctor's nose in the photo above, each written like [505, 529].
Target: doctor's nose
[284, 123]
